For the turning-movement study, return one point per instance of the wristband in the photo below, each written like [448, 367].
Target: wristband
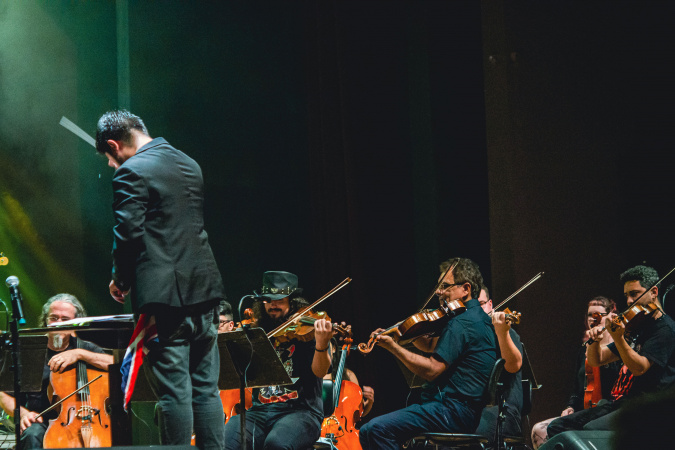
[321, 351]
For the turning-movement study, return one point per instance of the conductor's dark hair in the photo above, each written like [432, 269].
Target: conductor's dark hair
[647, 276]
[466, 271]
[117, 125]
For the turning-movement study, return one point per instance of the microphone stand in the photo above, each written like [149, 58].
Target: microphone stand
[16, 360]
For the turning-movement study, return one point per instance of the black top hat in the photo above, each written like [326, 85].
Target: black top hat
[278, 285]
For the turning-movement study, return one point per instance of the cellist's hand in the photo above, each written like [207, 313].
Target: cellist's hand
[63, 360]
[28, 418]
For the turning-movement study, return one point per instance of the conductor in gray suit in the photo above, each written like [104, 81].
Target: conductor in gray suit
[162, 261]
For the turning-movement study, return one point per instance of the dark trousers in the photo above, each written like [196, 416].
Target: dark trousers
[598, 418]
[275, 426]
[392, 430]
[185, 366]
[33, 436]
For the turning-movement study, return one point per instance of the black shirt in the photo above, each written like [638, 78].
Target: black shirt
[305, 393]
[655, 340]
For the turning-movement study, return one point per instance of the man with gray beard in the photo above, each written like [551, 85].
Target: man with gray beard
[63, 351]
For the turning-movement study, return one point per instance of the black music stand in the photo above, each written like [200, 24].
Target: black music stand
[248, 360]
[33, 357]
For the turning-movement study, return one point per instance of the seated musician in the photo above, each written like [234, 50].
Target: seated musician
[648, 355]
[63, 351]
[512, 351]
[226, 322]
[286, 416]
[601, 306]
[457, 371]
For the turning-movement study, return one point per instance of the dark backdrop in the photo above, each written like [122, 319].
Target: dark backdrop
[363, 139]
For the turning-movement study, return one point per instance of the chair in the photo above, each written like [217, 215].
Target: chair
[511, 442]
[462, 440]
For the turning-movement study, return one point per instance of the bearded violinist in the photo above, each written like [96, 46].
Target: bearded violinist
[648, 355]
[63, 351]
[457, 371]
[287, 417]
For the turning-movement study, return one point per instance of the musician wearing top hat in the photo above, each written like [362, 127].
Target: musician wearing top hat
[286, 416]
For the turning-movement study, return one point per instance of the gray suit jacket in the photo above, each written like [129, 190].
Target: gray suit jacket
[160, 249]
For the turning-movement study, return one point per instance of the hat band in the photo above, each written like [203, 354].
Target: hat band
[273, 290]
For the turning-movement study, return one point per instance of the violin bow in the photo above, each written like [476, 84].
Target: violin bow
[590, 340]
[66, 398]
[525, 286]
[440, 281]
[307, 309]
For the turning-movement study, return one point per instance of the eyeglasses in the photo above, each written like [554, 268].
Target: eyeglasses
[444, 286]
[224, 322]
[54, 318]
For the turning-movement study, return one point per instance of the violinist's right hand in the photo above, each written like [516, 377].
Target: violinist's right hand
[567, 411]
[28, 418]
[597, 333]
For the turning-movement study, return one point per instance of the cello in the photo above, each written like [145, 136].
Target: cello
[84, 421]
[340, 427]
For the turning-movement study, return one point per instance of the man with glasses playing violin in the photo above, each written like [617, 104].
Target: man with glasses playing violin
[285, 417]
[63, 351]
[457, 372]
[648, 354]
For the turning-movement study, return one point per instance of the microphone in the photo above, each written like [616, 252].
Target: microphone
[13, 284]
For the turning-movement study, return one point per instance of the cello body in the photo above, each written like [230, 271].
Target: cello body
[230, 399]
[341, 426]
[83, 421]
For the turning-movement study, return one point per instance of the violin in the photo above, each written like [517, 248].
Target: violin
[84, 421]
[632, 318]
[511, 317]
[426, 322]
[300, 326]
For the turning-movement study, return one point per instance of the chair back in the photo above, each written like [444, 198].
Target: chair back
[494, 384]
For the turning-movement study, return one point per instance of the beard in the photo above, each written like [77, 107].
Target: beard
[268, 323]
[57, 341]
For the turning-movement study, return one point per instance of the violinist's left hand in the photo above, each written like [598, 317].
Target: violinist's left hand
[63, 360]
[323, 331]
[383, 340]
[616, 330]
[502, 326]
